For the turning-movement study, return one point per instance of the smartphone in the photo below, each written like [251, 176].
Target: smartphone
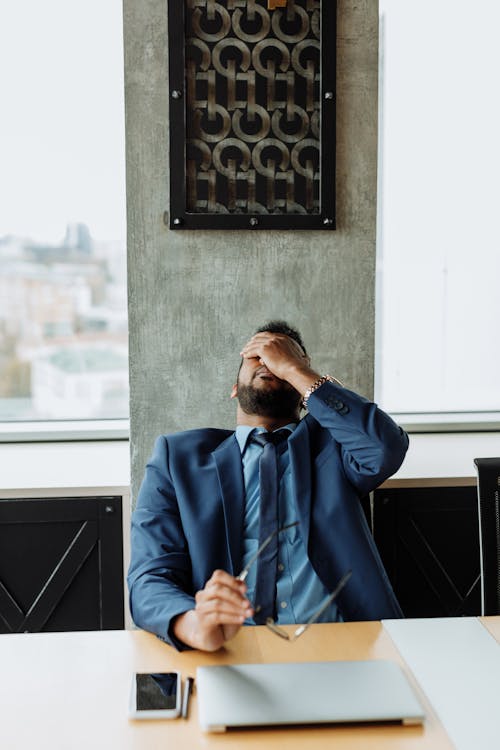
[155, 695]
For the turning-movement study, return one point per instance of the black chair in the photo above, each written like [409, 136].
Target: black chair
[61, 564]
[428, 539]
[488, 495]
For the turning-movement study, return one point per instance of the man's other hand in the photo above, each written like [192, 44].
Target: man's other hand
[221, 609]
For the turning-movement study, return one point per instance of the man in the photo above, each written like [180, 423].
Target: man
[196, 524]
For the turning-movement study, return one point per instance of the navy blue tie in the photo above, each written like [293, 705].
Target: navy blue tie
[267, 564]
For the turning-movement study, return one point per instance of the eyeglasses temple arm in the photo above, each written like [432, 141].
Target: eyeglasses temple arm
[242, 576]
[325, 604]
[276, 629]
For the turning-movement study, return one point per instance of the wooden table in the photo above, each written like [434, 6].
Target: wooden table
[70, 691]
[493, 625]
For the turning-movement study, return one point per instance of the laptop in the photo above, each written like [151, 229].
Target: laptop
[252, 695]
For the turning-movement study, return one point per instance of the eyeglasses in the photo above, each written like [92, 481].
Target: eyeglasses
[302, 628]
[273, 627]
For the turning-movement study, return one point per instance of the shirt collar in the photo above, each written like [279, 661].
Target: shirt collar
[243, 432]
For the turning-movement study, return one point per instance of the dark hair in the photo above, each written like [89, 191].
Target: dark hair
[281, 326]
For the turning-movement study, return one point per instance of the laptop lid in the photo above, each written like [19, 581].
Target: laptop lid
[250, 695]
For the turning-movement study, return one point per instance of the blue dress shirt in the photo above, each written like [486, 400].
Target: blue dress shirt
[299, 590]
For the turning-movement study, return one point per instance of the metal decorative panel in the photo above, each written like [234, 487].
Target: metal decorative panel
[252, 114]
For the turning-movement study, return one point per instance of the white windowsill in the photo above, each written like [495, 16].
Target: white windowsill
[64, 430]
[438, 422]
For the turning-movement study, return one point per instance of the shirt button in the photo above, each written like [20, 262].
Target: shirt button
[283, 605]
[281, 567]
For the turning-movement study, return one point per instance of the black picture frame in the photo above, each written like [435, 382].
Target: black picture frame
[322, 215]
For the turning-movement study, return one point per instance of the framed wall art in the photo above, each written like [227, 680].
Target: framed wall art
[252, 114]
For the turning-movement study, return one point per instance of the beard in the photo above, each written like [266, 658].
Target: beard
[277, 403]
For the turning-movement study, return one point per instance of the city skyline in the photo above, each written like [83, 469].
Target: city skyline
[59, 240]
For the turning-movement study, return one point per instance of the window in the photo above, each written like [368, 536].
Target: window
[63, 317]
[438, 302]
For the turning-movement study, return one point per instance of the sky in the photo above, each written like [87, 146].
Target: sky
[439, 241]
[62, 145]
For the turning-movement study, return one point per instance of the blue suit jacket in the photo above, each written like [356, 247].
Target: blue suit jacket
[190, 509]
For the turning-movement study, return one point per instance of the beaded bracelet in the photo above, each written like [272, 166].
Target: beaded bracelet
[316, 385]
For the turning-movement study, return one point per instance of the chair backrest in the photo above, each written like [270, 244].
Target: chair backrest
[61, 564]
[428, 539]
[488, 495]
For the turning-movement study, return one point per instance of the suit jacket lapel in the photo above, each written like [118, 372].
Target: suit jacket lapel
[298, 446]
[229, 467]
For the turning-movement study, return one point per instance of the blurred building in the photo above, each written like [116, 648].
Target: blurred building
[81, 382]
[63, 322]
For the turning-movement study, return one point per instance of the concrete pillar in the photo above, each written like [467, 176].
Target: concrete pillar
[196, 297]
